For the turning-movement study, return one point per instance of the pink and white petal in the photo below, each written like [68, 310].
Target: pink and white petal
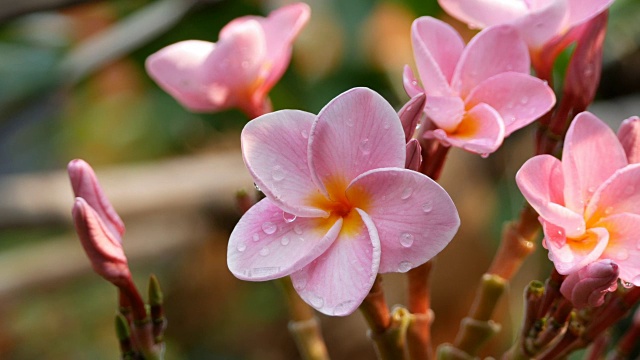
[357, 131]
[338, 281]
[619, 194]
[493, 51]
[274, 148]
[568, 255]
[434, 43]
[481, 131]
[445, 111]
[483, 13]
[624, 234]
[542, 24]
[178, 70]
[266, 244]
[519, 98]
[583, 10]
[629, 136]
[414, 216]
[541, 182]
[410, 83]
[591, 154]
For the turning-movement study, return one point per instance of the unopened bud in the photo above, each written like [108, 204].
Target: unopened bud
[411, 113]
[629, 135]
[589, 285]
[85, 185]
[414, 155]
[101, 246]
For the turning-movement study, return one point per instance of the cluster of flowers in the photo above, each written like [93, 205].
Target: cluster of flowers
[351, 192]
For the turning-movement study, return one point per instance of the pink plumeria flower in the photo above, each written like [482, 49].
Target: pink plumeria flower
[479, 94]
[629, 135]
[588, 286]
[339, 206]
[589, 203]
[539, 22]
[250, 56]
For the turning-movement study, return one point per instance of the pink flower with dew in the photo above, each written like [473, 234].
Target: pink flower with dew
[588, 286]
[479, 94]
[250, 56]
[98, 225]
[339, 206]
[539, 21]
[588, 202]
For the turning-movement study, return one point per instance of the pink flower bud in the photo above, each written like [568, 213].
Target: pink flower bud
[589, 285]
[414, 155]
[629, 135]
[101, 245]
[410, 114]
[85, 185]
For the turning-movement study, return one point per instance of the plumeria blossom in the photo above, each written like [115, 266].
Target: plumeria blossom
[250, 56]
[479, 94]
[589, 285]
[339, 206]
[588, 202]
[539, 21]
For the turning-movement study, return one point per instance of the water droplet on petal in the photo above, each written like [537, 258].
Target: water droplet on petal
[256, 237]
[484, 155]
[256, 186]
[264, 251]
[316, 301]
[300, 283]
[241, 247]
[414, 83]
[341, 308]
[288, 217]
[284, 241]
[626, 284]
[349, 122]
[276, 173]
[591, 189]
[404, 266]
[269, 228]
[622, 254]
[365, 146]
[406, 240]
[524, 100]
[386, 125]
[427, 207]
[298, 229]
[406, 193]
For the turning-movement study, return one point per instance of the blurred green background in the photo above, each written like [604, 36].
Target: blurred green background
[73, 85]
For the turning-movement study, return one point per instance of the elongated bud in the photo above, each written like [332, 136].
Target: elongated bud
[414, 155]
[85, 185]
[589, 285]
[629, 135]
[102, 247]
[411, 113]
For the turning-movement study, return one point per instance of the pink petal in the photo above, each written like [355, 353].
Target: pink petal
[414, 216]
[178, 70]
[542, 24]
[629, 136]
[414, 155]
[484, 13]
[338, 281]
[85, 185]
[274, 147]
[589, 285]
[437, 48]
[445, 111]
[624, 234]
[591, 154]
[357, 131]
[619, 194]
[266, 244]
[541, 182]
[566, 254]
[519, 98]
[493, 51]
[410, 83]
[583, 10]
[410, 114]
[481, 131]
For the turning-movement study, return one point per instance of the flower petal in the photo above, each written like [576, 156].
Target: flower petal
[481, 131]
[437, 48]
[357, 131]
[338, 281]
[414, 216]
[569, 255]
[493, 51]
[266, 244]
[629, 136]
[541, 24]
[591, 154]
[274, 147]
[619, 194]
[624, 234]
[410, 82]
[483, 13]
[178, 70]
[445, 111]
[541, 182]
[583, 10]
[410, 115]
[519, 98]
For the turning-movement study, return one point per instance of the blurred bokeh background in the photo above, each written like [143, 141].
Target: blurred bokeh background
[72, 85]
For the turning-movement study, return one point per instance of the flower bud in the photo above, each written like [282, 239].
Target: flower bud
[589, 285]
[100, 244]
[629, 135]
[85, 185]
[414, 155]
[411, 113]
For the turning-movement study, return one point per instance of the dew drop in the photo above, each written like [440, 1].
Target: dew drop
[256, 237]
[406, 193]
[626, 284]
[622, 254]
[269, 228]
[317, 301]
[284, 241]
[300, 283]
[524, 100]
[386, 125]
[241, 247]
[406, 240]
[264, 251]
[365, 146]
[341, 308]
[484, 155]
[305, 134]
[276, 173]
[298, 229]
[289, 218]
[404, 266]
[349, 122]
[591, 189]
[257, 187]
[414, 83]
[427, 207]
